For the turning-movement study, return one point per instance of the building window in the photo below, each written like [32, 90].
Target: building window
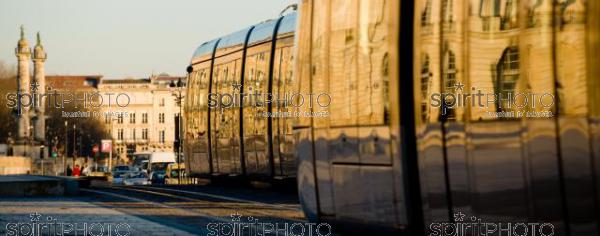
[144, 118]
[133, 134]
[120, 134]
[162, 102]
[449, 81]
[161, 136]
[120, 119]
[132, 118]
[508, 71]
[161, 118]
[145, 134]
[106, 119]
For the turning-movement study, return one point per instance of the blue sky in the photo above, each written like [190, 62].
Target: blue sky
[122, 38]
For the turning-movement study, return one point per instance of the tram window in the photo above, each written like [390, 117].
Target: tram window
[343, 82]
[373, 46]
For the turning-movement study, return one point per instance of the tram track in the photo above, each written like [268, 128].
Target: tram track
[209, 196]
[190, 209]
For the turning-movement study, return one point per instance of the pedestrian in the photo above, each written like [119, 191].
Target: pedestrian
[86, 170]
[76, 171]
[69, 171]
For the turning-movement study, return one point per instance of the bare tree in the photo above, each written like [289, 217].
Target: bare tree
[8, 84]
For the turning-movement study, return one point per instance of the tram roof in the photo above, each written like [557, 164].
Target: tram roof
[261, 32]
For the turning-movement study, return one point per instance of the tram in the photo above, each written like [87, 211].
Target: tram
[224, 137]
[447, 111]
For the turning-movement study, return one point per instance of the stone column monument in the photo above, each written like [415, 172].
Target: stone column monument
[23, 53]
[39, 78]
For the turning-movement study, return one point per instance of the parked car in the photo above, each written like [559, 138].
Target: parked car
[136, 178]
[122, 168]
[119, 173]
[172, 173]
[98, 171]
[118, 177]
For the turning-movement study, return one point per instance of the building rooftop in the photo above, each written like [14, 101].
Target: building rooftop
[73, 82]
[126, 81]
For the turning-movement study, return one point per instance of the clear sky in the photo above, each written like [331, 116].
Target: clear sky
[121, 38]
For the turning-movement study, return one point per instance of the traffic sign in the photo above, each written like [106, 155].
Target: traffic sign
[106, 145]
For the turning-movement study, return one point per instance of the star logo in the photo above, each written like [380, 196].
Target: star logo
[34, 86]
[459, 216]
[237, 87]
[35, 217]
[236, 217]
[459, 86]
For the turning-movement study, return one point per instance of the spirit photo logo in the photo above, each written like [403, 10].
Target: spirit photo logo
[256, 98]
[252, 226]
[59, 99]
[502, 101]
[464, 225]
[49, 225]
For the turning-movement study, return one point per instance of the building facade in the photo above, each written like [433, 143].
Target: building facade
[142, 114]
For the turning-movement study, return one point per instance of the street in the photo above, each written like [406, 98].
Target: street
[153, 210]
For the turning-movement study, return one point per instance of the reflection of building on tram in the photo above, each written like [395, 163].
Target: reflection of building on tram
[499, 47]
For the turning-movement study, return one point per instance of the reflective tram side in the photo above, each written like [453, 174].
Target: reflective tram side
[442, 111]
[229, 132]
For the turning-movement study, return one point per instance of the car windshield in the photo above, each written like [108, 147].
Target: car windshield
[161, 166]
[118, 175]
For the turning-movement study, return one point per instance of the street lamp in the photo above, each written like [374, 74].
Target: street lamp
[30, 143]
[66, 152]
[112, 143]
[74, 144]
[178, 100]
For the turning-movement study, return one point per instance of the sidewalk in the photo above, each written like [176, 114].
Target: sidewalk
[19, 215]
[35, 185]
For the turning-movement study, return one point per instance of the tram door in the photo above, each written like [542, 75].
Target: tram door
[358, 175]
[502, 130]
